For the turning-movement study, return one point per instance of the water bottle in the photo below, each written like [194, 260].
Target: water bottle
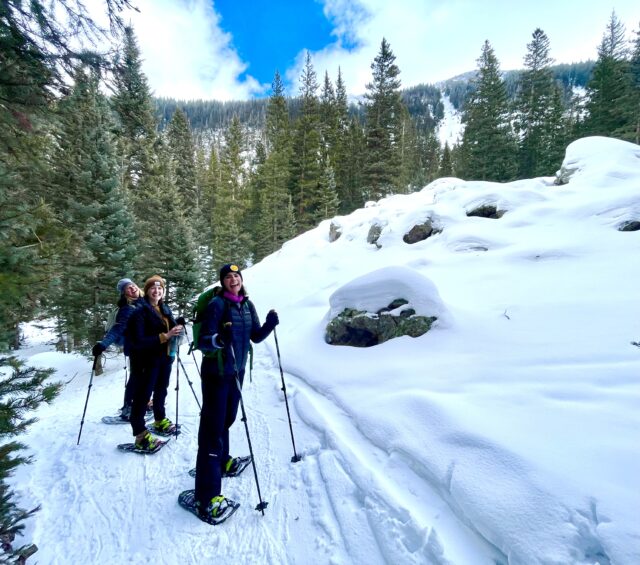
[173, 346]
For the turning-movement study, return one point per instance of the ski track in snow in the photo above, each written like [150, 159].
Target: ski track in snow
[350, 503]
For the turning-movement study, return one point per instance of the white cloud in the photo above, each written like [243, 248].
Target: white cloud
[186, 53]
[435, 40]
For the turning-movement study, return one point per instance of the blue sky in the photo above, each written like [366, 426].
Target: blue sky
[230, 49]
[259, 35]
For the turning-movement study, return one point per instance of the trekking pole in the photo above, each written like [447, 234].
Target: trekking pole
[93, 370]
[190, 383]
[192, 346]
[263, 504]
[295, 457]
[177, 386]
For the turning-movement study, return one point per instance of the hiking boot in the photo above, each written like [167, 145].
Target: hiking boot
[146, 443]
[218, 509]
[164, 426]
[232, 466]
[150, 408]
[125, 413]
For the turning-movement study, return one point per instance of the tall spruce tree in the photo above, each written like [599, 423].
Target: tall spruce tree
[137, 144]
[275, 222]
[100, 243]
[36, 53]
[183, 153]
[539, 112]
[384, 120]
[231, 242]
[133, 104]
[340, 156]
[446, 162]
[170, 251]
[610, 85]
[353, 192]
[329, 202]
[489, 149]
[328, 119]
[306, 168]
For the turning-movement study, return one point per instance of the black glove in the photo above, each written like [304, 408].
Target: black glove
[224, 335]
[181, 321]
[98, 349]
[272, 319]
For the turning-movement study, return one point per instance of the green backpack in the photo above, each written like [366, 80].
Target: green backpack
[198, 310]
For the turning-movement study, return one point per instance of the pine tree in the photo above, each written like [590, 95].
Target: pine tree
[631, 130]
[133, 104]
[22, 390]
[100, 244]
[353, 193]
[275, 221]
[171, 251]
[446, 162]
[329, 202]
[182, 151]
[306, 156]
[539, 105]
[384, 120]
[231, 243]
[340, 156]
[138, 142]
[489, 149]
[428, 165]
[35, 55]
[328, 119]
[610, 86]
[278, 128]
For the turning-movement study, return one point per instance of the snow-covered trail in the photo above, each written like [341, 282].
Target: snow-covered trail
[347, 499]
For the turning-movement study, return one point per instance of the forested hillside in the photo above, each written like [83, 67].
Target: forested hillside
[99, 181]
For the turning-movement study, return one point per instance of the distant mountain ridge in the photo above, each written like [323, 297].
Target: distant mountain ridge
[424, 101]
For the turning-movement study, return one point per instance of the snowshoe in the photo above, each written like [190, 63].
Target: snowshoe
[165, 428]
[157, 446]
[235, 466]
[218, 511]
[148, 444]
[120, 419]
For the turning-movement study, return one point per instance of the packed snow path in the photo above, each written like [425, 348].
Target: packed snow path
[349, 500]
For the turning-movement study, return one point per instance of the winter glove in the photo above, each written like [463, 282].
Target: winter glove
[181, 321]
[272, 319]
[98, 349]
[224, 336]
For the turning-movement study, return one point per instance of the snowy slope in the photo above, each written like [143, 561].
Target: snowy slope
[507, 434]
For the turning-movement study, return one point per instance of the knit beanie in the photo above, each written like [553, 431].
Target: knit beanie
[123, 284]
[230, 268]
[151, 281]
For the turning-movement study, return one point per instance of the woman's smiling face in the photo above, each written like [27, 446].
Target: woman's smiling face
[232, 282]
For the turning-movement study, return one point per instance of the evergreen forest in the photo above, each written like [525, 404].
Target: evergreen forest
[99, 180]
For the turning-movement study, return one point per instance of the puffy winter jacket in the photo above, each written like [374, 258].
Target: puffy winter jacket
[145, 328]
[119, 331]
[244, 329]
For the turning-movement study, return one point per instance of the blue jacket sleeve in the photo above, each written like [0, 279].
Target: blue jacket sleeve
[258, 332]
[211, 318]
[116, 333]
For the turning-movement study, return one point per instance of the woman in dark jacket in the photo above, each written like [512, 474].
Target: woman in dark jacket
[229, 324]
[152, 326]
[130, 299]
